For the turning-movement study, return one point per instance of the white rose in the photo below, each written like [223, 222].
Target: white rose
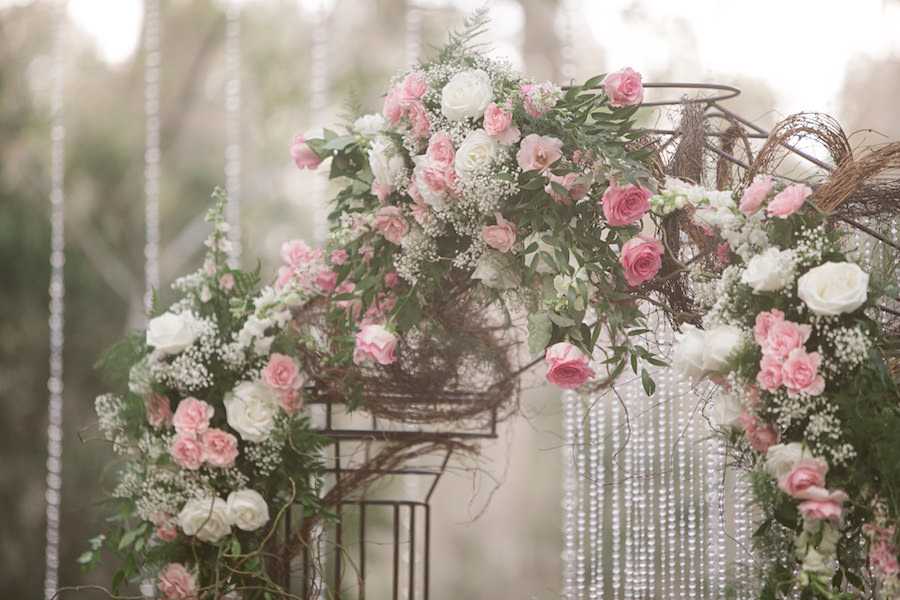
[688, 352]
[206, 518]
[496, 270]
[250, 410]
[386, 163]
[248, 509]
[727, 410]
[370, 124]
[543, 266]
[467, 94]
[781, 457]
[476, 154]
[769, 271]
[718, 344]
[170, 333]
[833, 288]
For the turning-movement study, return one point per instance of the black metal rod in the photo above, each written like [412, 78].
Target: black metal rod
[396, 550]
[362, 551]
[438, 476]
[426, 577]
[412, 552]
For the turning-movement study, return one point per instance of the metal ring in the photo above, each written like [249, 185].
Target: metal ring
[726, 92]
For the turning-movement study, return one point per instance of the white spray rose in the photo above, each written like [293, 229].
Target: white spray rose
[171, 333]
[727, 410]
[467, 94]
[248, 509]
[250, 410]
[476, 154]
[688, 352]
[769, 271]
[206, 518]
[386, 163]
[719, 343]
[833, 288]
[370, 124]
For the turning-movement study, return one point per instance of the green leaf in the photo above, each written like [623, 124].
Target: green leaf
[338, 143]
[561, 320]
[540, 330]
[647, 382]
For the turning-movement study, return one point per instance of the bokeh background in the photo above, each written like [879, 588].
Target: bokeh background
[496, 531]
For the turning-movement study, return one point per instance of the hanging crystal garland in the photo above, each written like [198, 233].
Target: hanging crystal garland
[233, 129]
[319, 102]
[152, 154]
[57, 302]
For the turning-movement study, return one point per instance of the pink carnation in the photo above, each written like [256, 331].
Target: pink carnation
[624, 88]
[220, 448]
[188, 451]
[641, 258]
[419, 117]
[804, 474]
[282, 373]
[538, 152]
[379, 192]
[784, 337]
[377, 342]
[801, 373]
[192, 416]
[414, 86]
[764, 322]
[722, 252]
[303, 155]
[755, 194]
[440, 150]
[296, 253]
[498, 124]
[501, 236]
[390, 224]
[771, 374]
[159, 411]
[177, 583]
[788, 201]
[625, 205]
[166, 526]
[759, 437]
[568, 367]
[285, 274]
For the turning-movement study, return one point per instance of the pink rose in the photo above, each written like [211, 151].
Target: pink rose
[568, 367]
[574, 191]
[824, 509]
[227, 282]
[764, 322]
[390, 224]
[392, 278]
[641, 259]
[379, 192]
[501, 236]
[192, 416]
[755, 194]
[758, 437]
[220, 448]
[801, 373]
[538, 152]
[498, 124]
[378, 343]
[303, 155]
[282, 373]
[326, 280]
[624, 88]
[788, 201]
[166, 526]
[290, 401]
[626, 205]
[392, 109]
[804, 474]
[296, 253]
[440, 150]
[177, 583]
[187, 451]
[285, 274]
[159, 411]
[771, 375]
[784, 337]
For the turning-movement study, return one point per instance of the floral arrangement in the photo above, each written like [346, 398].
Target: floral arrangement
[791, 339]
[475, 182]
[216, 448]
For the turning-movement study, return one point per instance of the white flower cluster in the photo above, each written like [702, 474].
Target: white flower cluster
[112, 424]
[849, 347]
[187, 371]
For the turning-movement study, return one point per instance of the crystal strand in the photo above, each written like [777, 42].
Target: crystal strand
[580, 517]
[640, 485]
[318, 104]
[653, 496]
[595, 508]
[682, 476]
[630, 571]
[668, 481]
[569, 501]
[692, 517]
[567, 47]
[413, 32]
[618, 495]
[152, 153]
[740, 528]
[599, 433]
[721, 539]
[233, 130]
[57, 290]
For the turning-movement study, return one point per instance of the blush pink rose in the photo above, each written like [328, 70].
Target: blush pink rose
[764, 322]
[303, 155]
[166, 526]
[159, 411]
[771, 375]
[574, 191]
[501, 236]
[188, 451]
[567, 366]
[291, 401]
[378, 343]
[625, 205]
[220, 448]
[755, 194]
[784, 337]
[326, 279]
[389, 223]
[282, 373]
[804, 474]
[788, 201]
[177, 583]
[285, 274]
[440, 150]
[624, 88]
[824, 509]
[192, 416]
[379, 192]
[801, 373]
[296, 253]
[641, 257]
[498, 124]
[761, 438]
[538, 152]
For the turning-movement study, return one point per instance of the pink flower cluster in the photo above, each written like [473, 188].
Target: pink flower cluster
[761, 438]
[405, 100]
[282, 375]
[785, 361]
[539, 98]
[166, 526]
[306, 268]
[195, 442]
[177, 583]
[567, 366]
[882, 551]
[159, 411]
